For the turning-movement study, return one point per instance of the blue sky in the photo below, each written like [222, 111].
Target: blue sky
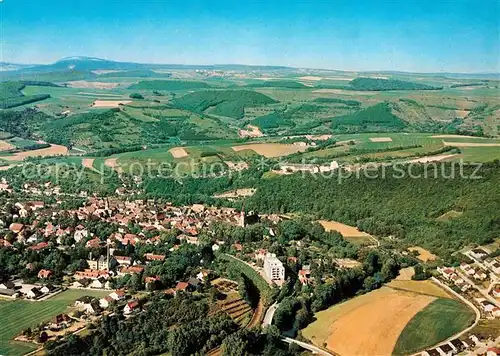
[418, 35]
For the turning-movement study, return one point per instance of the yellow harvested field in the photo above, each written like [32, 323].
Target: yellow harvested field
[405, 274]
[345, 92]
[93, 85]
[271, 149]
[53, 150]
[461, 113]
[310, 77]
[109, 103]
[178, 152]
[245, 192]
[380, 139]
[471, 144]
[5, 146]
[369, 324]
[88, 163]
[436, 158]
[345, 230]
[421, 287]
[423, 254]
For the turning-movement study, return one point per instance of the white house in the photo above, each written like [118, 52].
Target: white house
[273, 268]
[105, 302]
[117, 295]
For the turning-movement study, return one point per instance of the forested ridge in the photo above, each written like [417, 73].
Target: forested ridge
[404, 208]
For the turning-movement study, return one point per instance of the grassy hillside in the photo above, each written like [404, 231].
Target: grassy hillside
[438, 321]
[229, 103]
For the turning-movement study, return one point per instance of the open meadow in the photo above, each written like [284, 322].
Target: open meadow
[17, 315]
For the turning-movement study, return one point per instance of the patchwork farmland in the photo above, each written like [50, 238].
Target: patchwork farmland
[387, 321]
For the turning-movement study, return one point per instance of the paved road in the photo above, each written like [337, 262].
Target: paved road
[268, 319]
[312, 348]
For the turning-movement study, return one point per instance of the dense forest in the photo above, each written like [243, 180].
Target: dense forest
[11, 95]
[378, 84]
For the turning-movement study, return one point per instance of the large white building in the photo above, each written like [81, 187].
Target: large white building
[273, 268]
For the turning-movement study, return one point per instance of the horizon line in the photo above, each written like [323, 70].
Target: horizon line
[250, 65]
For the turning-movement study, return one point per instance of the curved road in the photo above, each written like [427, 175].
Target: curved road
[309, 347]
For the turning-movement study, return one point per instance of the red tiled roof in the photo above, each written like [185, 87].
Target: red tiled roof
[182, 286]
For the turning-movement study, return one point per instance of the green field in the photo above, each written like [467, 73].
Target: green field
[20, 314]
[438, 321]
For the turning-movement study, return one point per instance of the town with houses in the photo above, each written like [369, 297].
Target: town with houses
[113, 267]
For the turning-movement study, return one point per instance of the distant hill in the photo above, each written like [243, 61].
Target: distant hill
[376, 84]
[229, 103]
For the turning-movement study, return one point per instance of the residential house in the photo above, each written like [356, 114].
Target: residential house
[5, 243]
[44, 273]
[493, 351]
[92, 307]
[446, 272]
[487, 306]
[260, 254]
[5, 292]
[34, 293]
[457, 345]
[7, 285]
[203, 275]
[123, 260]
[16, 227]
[131, 307]
[82, 283]
[105, 302]
[182, 287]
[130, 270]
[496, 312]
[48, 288]
[153, 257]
[91, 273]
[479, 254]
[445, 350]
[118, 295]
[93, 243]
[80, 233]
[431, 352]
[496, 292]
[305, 275]
[80, 302]
[60, 321]
[99, 283]
[480, 275]
[39, 246]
